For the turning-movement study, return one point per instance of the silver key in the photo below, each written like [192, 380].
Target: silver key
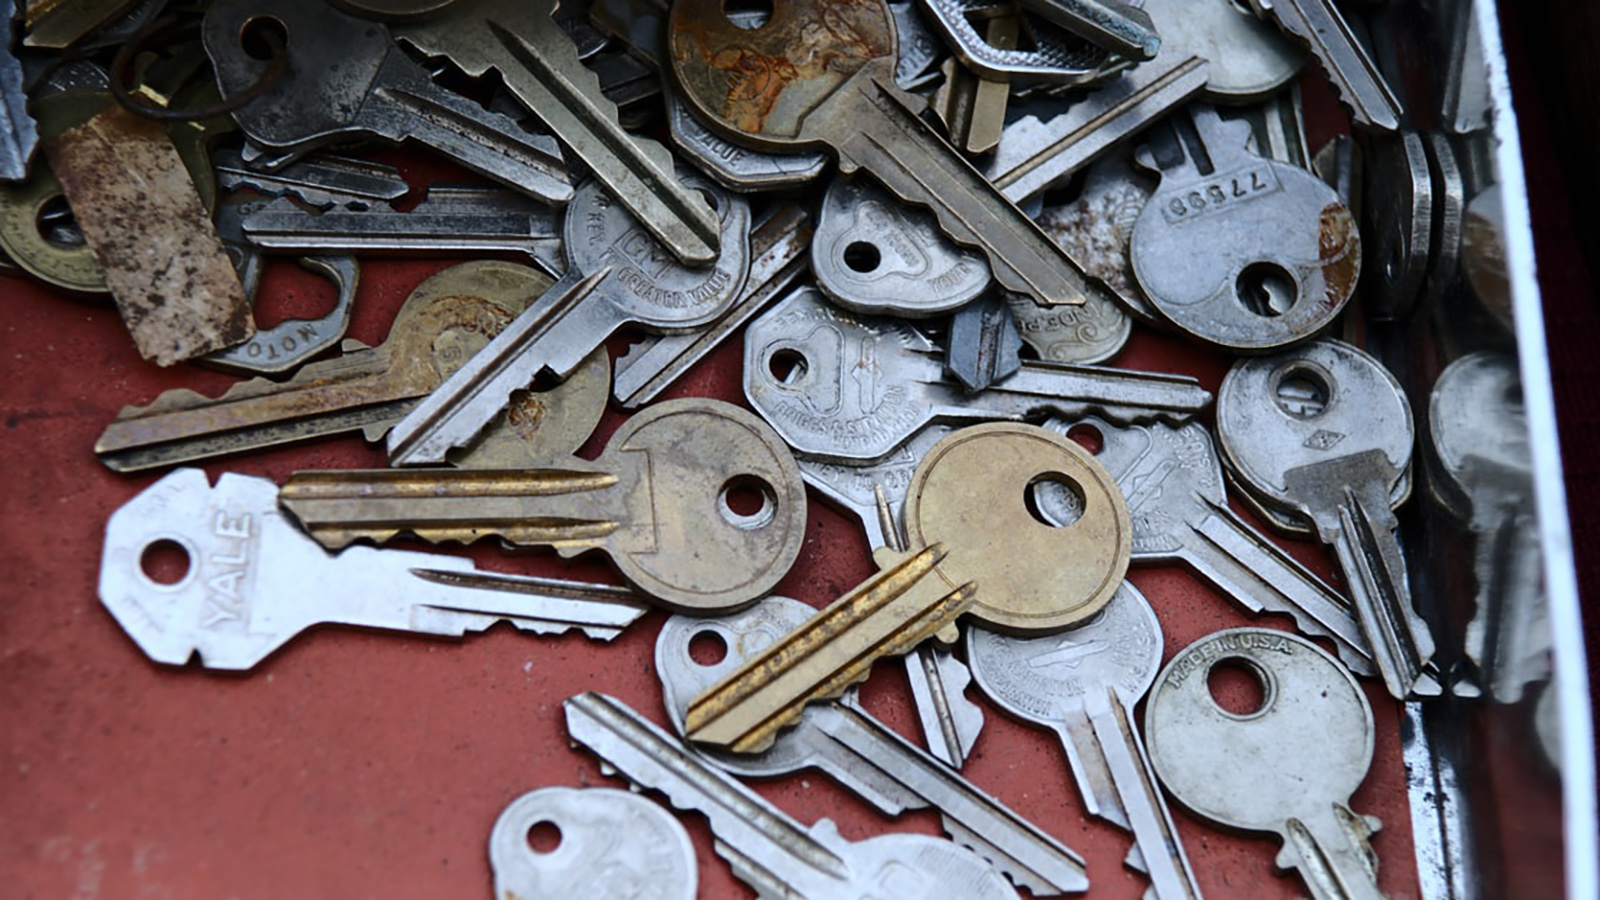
[1091, 333]
[637, 281]
[1361, 87]
[737, 168]
[1122, 28]
[1288, 767]
[920, 51]
[1249, 59]
[851, 388]
[871, 760]
[769, 851]
[610, 845]
[291, 342]
[1083, 685]
[252, 580]
[982, 344]
[1056, 55]
[1325, 430]
[321, 181]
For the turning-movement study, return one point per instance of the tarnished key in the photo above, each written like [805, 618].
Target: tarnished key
[251, 581]
[852, 388]
[1122, 28]
[841, 95]
[1091, 333]
[1249, 59]
[1287, 767]
[1361, 87]
[734, 167]
[696, 501]
[611, 845]
[768, 850]
[856, 750]
[982, 343]
[1054, 54]
[1083, 684]
[321, 181]
[1325, 430]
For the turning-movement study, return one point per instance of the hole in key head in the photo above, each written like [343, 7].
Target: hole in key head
[263, 38]
[1088, 437]
[862, 257]
[165, 562]
[544, 837]
[748, 14]
[1238, 687]
[1266, 289]
[1301, 392]
[57, 225]
[747, 502]
[788, 366]
[708, 648]
[1053, 499]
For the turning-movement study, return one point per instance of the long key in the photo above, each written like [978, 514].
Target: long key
[253, 581]
[633, 279]
[539, 65]
[615, 845]
[1325, 430]
[852, 388]
[664, 500]
[1083, 685]
[1361, 86]
[768, 850]
[843, 96]
[375, 91]
[858, 751]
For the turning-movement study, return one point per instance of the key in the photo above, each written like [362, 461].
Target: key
[769, 851]
[667, 501]
[19, 134]
[1122, 28]
[252, 581]
[1325, 430]
[539, 66]
[1362, 90]
[321, 181]
[859, 752]
[1056, 55]
[1036, 576]
[982, 346]
[377, 92]
[851, 388]
[842, 96]
[1249, 59]
[1288, 767]
[1096, 227]
[1083, 684]
[612, 845]
[56, 256]
[1397, 211]
[1091, 333]
[734, 167]
[973, 108]
[627, 277]
[1204, 260]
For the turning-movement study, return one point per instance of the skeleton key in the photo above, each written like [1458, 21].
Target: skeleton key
[1288, 767]
[838, 91]
[768, 850]
[253, 581]
[1083, 684]
[615, 845]
[1325, 430]
[852, 388]
[855, 749]
[664, 500]
[1319, 25]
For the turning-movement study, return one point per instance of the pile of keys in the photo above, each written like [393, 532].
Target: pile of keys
[931, 222]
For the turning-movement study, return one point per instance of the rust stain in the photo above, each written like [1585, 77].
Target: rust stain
[1339, 254]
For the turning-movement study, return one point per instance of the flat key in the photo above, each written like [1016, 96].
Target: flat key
[252, 581]
[1122, 28]
[1361, 87]
[1249, 58]
[858, 751]
[769, 851]
[660, 501]
[321, 181]
[843, 96]
[1056, 55]
[852, 388]
[982, 343]
[734, 167]
[615, 845]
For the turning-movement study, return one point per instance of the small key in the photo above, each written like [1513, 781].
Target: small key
[626, 277]
[859, 752]
[252, 581]
[842, 96]
[1287, 767]
[1362, 89]
[613, 845]
[1083, 684]
[321, 181]
[852, 388]
[665, 501]
[983, 345]
[1055, 55]
[769, 851]
[1249, 59]
[1325, 430]
[734, 167]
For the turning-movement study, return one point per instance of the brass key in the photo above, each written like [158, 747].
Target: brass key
[698, 502]
[985, 546]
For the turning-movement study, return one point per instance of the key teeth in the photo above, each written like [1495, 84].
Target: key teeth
[1010, 868]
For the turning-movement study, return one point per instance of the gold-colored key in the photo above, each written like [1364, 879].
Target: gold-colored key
[698, 502]
[1012, 524]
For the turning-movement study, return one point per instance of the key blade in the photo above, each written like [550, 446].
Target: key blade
[1119, 395]
[1361, 87]
[553, 605]
[950, 722]
[1331, 850]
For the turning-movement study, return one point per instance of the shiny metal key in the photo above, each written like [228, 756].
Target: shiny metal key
[611, 845]
[1248, 59]
[252, 581]
[1318, 24]
[858, 751]
[1083, 684]
[769, 851]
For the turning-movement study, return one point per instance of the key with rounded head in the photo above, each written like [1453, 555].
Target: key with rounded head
[856, 750]
[1287, 767]
[610, 845]
[1325, 430]
[1083, 684]
[768, 850]
[251, 580]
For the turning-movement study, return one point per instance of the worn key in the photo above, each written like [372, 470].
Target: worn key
[1286, 767]
[768, 850]
[613, 845]
[858, 751]
[251, 581]
[1362, 88]
[849, 388]
[1083, 684]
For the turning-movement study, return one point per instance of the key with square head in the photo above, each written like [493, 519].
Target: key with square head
[251, 581]
[1083, 684]
[626, 277]
[822, 75]
[851, 388]
[982, 342]
[1361, 87]
[610, 845]
[1325, 431]
[856, 750]
[1287, 767]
